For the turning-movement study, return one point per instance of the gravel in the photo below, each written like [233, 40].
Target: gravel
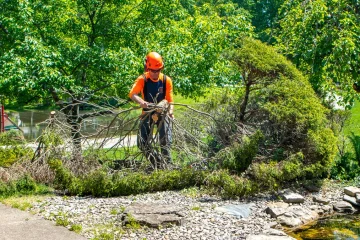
[101, 218]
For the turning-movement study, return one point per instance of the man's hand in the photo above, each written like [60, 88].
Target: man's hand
[171, 115]
[144, 104]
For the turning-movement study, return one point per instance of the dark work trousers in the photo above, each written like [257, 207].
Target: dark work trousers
[146, 140]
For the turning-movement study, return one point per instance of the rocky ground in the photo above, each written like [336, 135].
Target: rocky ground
[200, 216]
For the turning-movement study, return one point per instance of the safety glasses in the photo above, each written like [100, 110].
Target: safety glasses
[154, 71]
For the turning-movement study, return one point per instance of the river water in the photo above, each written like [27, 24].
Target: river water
[344, 227]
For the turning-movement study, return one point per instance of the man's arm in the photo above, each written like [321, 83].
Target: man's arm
[139, 100]
[136, 89]
[169, 96]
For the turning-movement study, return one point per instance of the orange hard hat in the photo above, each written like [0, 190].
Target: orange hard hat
[154, 61]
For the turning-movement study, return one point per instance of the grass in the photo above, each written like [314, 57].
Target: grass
[192, 192]
[188, 101]
[113, 211]
[23, 202]
[108, 231]
[76, 228]
[112, 154]
[353, 124]
[196, 208]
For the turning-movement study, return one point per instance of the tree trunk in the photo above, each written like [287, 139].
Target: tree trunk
[73, 118]
[244, 102]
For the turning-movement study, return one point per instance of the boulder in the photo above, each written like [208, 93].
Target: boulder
[270, 234]
[289, 221]
[240, 211]
[312, 188]
[297, 215]
[303, 213]
[154, 215]
[357, 196]
[351, 200]
[321, 200]
[276, 209]
[351, 191]
[293, 198]
[343, 207]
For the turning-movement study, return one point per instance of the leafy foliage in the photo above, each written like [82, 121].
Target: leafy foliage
[12, 137]
[321, 38]
[347, 165]
[62, 49]
[24, 185]
[239, 156]
[13, 149]
[275, 99]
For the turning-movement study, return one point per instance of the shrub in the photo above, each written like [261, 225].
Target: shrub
[292, 168]
[241, 155]
[266, 175]
[26, 185]
[12, 137]
[64, 179]
[229, 186]
[275, 98]
[23, 185]
[50, 138]
[355, 143]
[11, 154]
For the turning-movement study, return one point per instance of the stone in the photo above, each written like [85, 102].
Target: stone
[275, 211]
[327, 208]
[351, 200]
[154, 215]
[289, 221]
[268, 237]
[312, 188]
[304, 214]
[293, 198]
[343, 207]
[351, 191]
[274, 232]
[156, 220]
[240, 211]
[357, 196]
[278, 205]
[321, 200]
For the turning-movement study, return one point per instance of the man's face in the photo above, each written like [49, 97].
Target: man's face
[154, 74]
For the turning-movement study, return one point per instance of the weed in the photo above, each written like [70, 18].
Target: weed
[113, 211]
[76, 228]
[23, 202]
[65, 198]
[107, 231]
[62, 219]
[132, 223]
[104, 236]
[191, 192]
[122, 209]
[196, 208]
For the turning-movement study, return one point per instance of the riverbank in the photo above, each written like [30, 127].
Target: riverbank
[202, 216]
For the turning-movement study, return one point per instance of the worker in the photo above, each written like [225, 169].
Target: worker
[154, 87]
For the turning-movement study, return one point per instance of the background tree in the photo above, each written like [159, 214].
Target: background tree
[72, 51]
[321, 38]
[264, 17]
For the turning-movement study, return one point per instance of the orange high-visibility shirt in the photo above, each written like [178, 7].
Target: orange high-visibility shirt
[139, 84]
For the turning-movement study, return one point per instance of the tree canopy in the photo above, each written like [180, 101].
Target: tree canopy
[87, 47]
[322, 38]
